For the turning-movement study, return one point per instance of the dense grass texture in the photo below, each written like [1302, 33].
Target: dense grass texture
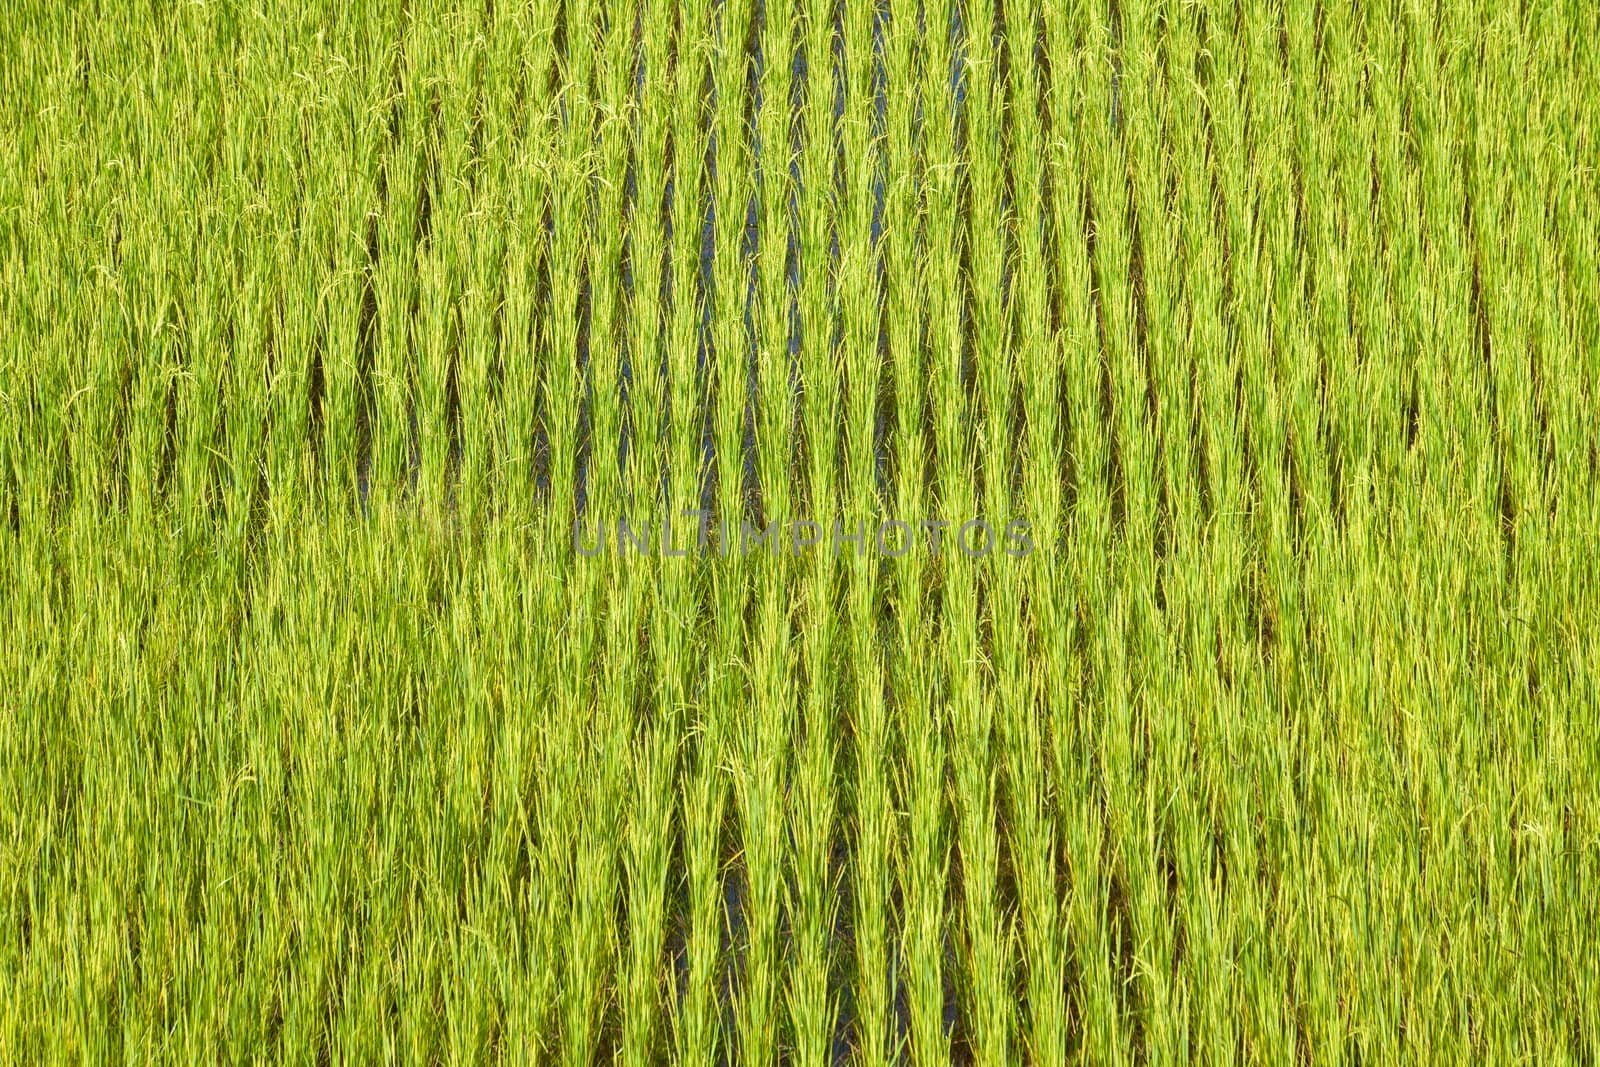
[323, 739]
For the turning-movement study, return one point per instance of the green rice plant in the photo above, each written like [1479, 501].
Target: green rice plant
[486, 515]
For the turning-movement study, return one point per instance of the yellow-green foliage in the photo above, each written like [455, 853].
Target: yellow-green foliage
[321, 324]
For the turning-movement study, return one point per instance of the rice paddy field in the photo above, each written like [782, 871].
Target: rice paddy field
[493, 509]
